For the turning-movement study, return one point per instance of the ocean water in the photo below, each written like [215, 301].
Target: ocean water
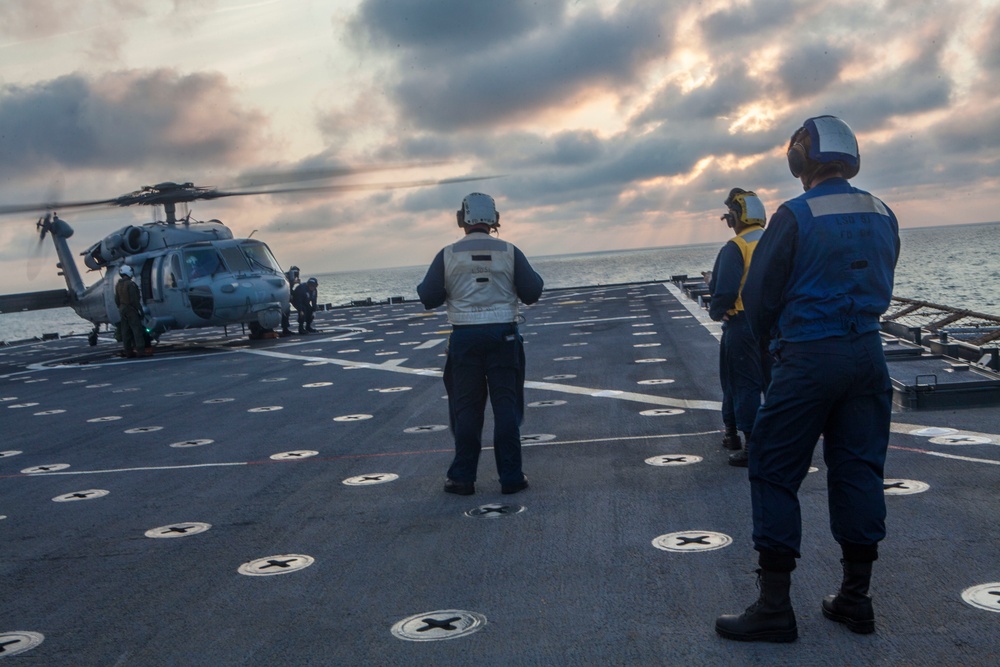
[955, 265]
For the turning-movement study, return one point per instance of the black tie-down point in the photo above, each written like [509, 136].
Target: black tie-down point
[435, 624]
[893, 485]
[3, 645]
[279, 563]
[684, 541]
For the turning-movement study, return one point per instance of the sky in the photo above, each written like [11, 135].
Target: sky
[608, 125]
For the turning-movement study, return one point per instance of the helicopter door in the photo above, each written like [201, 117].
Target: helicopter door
[146, 283]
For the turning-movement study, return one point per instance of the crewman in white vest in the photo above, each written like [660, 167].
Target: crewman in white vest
[481, 279]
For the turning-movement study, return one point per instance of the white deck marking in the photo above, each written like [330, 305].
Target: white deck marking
[429, 344]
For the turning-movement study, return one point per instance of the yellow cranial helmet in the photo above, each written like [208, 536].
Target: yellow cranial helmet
[746, 207]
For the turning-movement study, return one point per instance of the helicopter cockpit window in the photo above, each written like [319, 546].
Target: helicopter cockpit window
[260, 256]
[235, 260]
[202, 262]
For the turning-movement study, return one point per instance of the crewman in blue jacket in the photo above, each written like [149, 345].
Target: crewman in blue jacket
[740, 367]
[481, 278]
[821, 277]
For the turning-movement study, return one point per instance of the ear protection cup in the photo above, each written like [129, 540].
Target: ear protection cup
[796, 157]
[460, 215]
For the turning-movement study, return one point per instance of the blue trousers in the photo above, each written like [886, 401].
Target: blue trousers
[838, 388]
[485, 361]
[740, 373]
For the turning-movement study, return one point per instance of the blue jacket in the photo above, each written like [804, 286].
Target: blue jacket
[824, 266]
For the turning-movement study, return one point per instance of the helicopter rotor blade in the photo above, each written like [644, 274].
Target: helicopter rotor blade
[355, 187]
[30, 208]
[261, 179]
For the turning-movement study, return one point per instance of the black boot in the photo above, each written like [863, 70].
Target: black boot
[741, 459]
[731, 439]
[852, 606]
[769, 619]
[302, 330]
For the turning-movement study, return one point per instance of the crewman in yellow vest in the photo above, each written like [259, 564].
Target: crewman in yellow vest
[741, 369]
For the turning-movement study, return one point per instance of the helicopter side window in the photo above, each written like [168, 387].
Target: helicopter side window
[260, 256]
[202, 262]
[175, 274]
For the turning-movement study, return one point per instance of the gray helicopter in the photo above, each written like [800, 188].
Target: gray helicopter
[191, 274]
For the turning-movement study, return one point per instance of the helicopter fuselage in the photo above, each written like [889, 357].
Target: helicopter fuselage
[189, 274]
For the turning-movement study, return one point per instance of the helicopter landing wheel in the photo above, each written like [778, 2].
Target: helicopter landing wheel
[92, 338]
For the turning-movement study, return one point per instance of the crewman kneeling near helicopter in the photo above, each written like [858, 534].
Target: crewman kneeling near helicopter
[129, 303]
[304, 301]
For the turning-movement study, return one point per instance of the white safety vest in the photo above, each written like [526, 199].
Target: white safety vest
[479, 280]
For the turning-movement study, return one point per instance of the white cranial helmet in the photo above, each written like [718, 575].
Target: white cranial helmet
[125, 270]
[479, 209]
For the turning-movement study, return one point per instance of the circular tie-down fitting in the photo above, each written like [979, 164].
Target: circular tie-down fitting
[562, 376]
[536, 437]
[267, 408]
[389, 390]
[89, 494]
[933, 431]
[352, 418]
[50, 467]
[178, 530]
[273, 379]
[903, 487]
[567, 358]
[312, 385]
[213, 401]
[674, 460]
[546, 404]
[19, 641]
[661, 412]
[18, 406]
[494, 511]
[10, 452]
[952, 439]
[193, 443]
[175, 394]
[656, 381]
[651, 360]
[647, 345]
[49, 412]
[983, 596]
[98, 420]
[143, 429]
[371, 478]
[429, 428]
[438, 625]
[272, 565]
[295, 455]
[687, 541]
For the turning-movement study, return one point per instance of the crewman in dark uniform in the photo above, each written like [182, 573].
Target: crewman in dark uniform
[481, 279]
[304, 301]
[292, 276]
[129, 302]
[740, 367]
[821, 277]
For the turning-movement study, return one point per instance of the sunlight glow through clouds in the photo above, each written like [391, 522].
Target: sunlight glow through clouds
[626, 114]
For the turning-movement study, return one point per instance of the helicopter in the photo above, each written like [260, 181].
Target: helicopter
[191, 274]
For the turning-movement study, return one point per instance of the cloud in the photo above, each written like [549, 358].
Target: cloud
[125, 119]
[525, 73]
[451, 29]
